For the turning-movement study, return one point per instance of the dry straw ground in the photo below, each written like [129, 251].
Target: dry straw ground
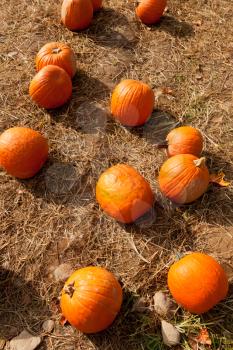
[53, 218]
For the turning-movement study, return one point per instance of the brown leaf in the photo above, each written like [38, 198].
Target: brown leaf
[203, 337]
[164, 90]
[219, 179]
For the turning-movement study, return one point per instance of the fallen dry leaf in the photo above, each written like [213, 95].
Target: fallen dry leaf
[219, 179]
[203, 337]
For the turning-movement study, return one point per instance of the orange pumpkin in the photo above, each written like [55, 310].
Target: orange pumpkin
[123, 193]
[51, 87]
[197, 282]
[91, 299]
[184, 178]
[57, 54]
[132, 102]
[150, 11]
[76, 14]
[23, 152]
[184, 140]
[97, 4]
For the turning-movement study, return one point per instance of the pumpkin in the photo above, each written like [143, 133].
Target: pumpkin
[57, 54]
[91, 299]
[197, 282]
[97, 4]
[76, 14]
[150, 11]
[123, 193]
[23, 151]
[132, 102]
[183, 178]
[184, 140]
[51, 87]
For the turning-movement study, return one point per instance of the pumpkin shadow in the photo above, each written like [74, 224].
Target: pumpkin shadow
[219, 318]
[22, 307]
[128, 329]
[79, 113]
[61, 183]
[215, 206]
[155, 130]
[174, 27]
[111, 28]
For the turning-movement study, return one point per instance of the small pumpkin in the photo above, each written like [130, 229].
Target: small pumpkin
[97, 5]
[183, 140]
[76, 14]
[183, 178]
[150, 11]
[51, 87]
[197, 282]
[91, 299]
[58, 54]
[23, 151]
[132, 102]
[123, 193]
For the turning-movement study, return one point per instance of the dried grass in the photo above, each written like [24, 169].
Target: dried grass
[54, 218]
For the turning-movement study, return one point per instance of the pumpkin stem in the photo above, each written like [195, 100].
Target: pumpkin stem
[199, 162]
[56, 50]
[163, 144]
[69, 289]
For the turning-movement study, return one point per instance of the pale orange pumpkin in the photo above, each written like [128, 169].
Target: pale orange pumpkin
[184, 178]
[123, 193]
[91, 299]
[23, 151]
[76, 14]
[184, 140]
[58, 54]
[197, 282]
[51, 87]
[132, 102]
[150, 11]
[97, 4]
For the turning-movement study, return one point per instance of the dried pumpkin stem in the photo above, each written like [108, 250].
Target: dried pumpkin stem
[69, 289]
[199, 162]
[57, 50]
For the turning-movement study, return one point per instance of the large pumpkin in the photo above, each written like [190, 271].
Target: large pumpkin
[123, 193]
[76, 14]
[184, 178]
[150, 11]
[132, 102]
[197, 282]
[97, 4]
[51, 87]
[91, 299]
[184, 140]
[57, 54]
[23, 151]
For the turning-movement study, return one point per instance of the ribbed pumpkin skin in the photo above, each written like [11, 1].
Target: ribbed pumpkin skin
[132, 102]
[197, 282]
[181, 180]
[57, 54]
[184, 140]
[97, 4]
[51, 87]
[96, 300]
[23, 152]
[150, 11]
[76, 14]
[123, 193]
